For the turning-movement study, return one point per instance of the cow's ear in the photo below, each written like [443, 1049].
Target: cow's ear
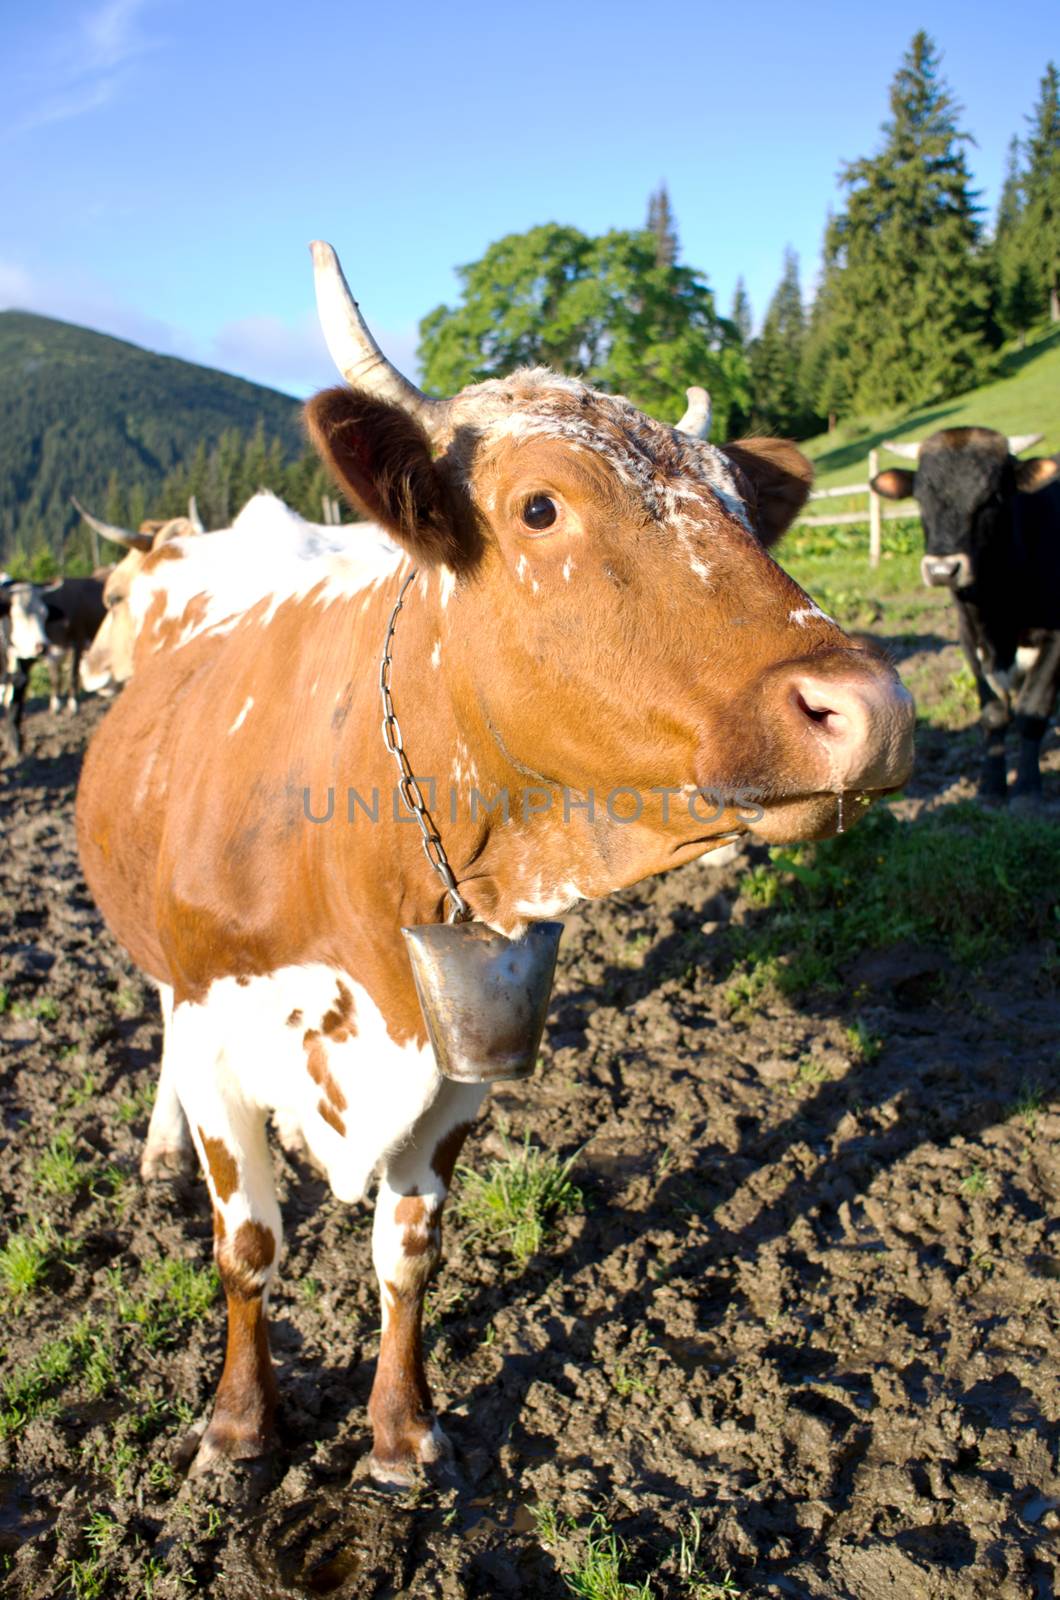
[895, 483]
[776, 482]
[1036, 473]
[381, 459]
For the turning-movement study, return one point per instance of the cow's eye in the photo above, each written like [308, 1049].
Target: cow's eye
[540, 512]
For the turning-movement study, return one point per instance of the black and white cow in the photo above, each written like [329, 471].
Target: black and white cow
[992, 536]
[23, 638]
[57, 621]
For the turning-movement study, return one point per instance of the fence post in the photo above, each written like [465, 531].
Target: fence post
[874, 511]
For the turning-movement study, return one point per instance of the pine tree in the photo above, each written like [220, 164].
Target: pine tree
[777, 358]
[663, 224]
[1010, 205]
[907, 284]
[740, 315]
[1039, 224]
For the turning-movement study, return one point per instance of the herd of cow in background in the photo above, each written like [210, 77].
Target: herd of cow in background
[992, 537]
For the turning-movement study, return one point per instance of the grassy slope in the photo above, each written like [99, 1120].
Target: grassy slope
[1025, 398]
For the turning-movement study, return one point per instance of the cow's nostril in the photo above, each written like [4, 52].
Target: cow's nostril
[826, 717]
[815, 713]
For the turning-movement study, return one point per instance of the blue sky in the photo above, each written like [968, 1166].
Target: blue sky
[163, 163]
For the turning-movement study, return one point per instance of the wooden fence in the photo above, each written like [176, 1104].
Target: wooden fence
[875, 516]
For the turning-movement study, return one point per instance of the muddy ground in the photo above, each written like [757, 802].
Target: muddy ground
[810, 1300]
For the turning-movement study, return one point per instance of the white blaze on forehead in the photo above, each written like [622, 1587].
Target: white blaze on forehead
[436, 654]
[446, 585]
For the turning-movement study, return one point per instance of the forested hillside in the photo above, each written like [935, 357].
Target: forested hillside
[80, 411]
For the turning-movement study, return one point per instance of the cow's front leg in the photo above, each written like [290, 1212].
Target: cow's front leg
[406, 1246]
[993, 720]
[1033, 710]
[75, 680]
[55, 676]
[1028, 784]
[230, 1139]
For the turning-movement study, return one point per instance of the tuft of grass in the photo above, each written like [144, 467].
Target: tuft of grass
[976, 1183]
[30, 1390]
[687, 1556]
[1028, 1106]
[176, 1292]
[127, 1002]
[60, 1171]
[25, 1259]
[969, 880]
[597, 1574]
[515, 1200]
[137, 1105]
[808, 1073]
[864, 1045]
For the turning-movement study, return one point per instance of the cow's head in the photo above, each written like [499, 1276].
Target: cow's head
[27, 621]
[964, 482]
[109, 661]
[611, 613]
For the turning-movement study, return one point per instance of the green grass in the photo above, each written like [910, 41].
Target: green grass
[60, 1170]
[597, 1575]
[30, 1390]
[173, 1293]
[1024, 397]
[514, 1201]
[592, 1561]
[25, 1259]
[970, 881]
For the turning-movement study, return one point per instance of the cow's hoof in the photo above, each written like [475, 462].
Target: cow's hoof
[432, 1460]
[55, 704]
[71, 707]
[161, 1163]
[209, 1447]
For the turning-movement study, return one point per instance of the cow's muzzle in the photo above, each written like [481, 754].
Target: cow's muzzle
[946, 572]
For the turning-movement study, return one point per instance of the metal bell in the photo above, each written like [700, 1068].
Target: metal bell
[483, 996]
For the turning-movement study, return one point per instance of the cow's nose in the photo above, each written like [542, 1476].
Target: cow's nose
[860, 726]
[937, 571]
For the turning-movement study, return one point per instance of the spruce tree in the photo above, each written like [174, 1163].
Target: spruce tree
[908, 286]
[777, 358]
[740, 315]
[663, 224]
[1039, 224]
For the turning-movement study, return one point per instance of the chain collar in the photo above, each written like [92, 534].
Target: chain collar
[409, 788]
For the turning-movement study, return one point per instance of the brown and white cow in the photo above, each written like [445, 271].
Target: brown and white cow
[593, 610]
[177, 580]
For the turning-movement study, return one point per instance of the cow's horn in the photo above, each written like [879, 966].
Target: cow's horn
[696, 419]
[1023, 441]
[355, 352]
[132, 541]
[194, 517]
[910, 451]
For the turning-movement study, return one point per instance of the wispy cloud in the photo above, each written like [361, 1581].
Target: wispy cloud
[89, 67]
[291, 356]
